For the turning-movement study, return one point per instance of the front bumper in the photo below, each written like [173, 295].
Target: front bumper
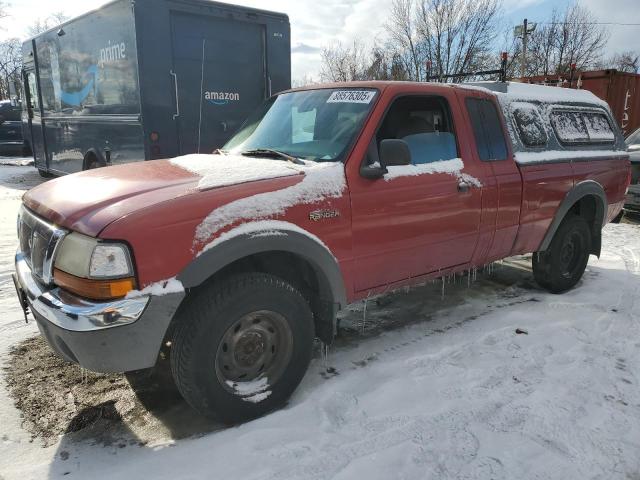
[115, 336]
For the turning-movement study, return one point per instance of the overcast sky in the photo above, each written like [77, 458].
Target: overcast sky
[315, 23]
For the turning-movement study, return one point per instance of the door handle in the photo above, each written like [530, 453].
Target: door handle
[175, 82]
[463, 187]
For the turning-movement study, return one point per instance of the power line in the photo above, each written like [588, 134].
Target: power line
[591, 23]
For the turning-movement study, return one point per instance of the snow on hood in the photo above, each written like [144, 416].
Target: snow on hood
[321, 181]
[222, 170]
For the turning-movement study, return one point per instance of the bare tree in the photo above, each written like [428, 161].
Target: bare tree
[452, 36]
[343, 63]
[404, 39]
[628, 62]
[10, 67]
[567, 38]
[42, 24]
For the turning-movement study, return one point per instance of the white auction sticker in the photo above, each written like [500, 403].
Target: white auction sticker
[352, 96]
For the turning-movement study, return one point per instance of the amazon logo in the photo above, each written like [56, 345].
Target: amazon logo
[221, 98]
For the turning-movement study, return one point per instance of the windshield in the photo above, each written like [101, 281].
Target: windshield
[314, 125]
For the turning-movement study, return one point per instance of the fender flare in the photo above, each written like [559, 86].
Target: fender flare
[267, 236]
[579, 191]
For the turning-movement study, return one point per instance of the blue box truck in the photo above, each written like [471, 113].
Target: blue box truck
[146, 79]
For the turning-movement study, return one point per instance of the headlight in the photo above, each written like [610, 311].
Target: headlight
[93, 269]
[110, 261]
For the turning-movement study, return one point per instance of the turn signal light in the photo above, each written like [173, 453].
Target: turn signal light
[93, 289]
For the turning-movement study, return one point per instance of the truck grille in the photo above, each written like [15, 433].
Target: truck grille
[38, 243]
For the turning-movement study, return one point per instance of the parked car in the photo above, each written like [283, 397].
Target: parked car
[134, 81]
[230, 264]
[11, 140]
[632, 203]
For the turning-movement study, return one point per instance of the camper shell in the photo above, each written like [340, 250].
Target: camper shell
[148, 79]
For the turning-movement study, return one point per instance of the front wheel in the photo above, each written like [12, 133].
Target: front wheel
[242, 346]
[561, 266]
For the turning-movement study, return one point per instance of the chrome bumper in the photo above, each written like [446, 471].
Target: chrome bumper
[116, 336]
[73, 313]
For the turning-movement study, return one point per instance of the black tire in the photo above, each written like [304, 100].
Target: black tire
[92, 162]
[234, 334]
[44, 173]
[560, 268]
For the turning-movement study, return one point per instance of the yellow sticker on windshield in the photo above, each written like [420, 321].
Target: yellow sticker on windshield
[352, 96]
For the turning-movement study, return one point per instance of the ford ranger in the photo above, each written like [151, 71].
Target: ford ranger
[230, 264]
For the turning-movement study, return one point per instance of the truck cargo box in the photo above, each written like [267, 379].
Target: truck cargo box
[149, 79]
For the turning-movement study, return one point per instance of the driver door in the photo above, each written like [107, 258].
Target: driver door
[409, 223]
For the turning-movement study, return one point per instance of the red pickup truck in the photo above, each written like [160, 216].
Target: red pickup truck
[231, 263]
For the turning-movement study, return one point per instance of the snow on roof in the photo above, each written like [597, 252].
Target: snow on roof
[514, 91]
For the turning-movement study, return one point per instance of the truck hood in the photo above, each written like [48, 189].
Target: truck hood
[89, 201]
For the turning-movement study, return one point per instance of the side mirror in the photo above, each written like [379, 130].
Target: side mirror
[394, 152]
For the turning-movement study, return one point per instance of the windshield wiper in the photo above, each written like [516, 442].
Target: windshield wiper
[273, 153]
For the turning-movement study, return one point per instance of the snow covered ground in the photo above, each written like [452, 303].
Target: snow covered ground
[423, 387]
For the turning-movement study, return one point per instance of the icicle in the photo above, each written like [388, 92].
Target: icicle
[325, 355]
[364, 313]
[468, 278]
[442, 297]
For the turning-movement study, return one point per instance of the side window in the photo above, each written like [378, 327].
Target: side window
[598, 127]
[569, 127]
[425, 124]
[530, 126]
[33, 92]
[487, 129]
[582, 127]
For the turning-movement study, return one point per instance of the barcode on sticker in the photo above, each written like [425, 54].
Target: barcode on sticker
[351, 96]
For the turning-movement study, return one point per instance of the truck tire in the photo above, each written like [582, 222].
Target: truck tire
[242, 346]
[560, 268]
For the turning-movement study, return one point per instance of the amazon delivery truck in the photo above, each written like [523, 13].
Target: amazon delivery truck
[146, 79]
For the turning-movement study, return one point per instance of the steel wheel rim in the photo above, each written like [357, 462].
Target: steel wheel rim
[253, 353]
[570, 254]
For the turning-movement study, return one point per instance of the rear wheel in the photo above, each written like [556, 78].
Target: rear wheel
[44, 173]
[92, 162]
[242, 346]
[561, 266]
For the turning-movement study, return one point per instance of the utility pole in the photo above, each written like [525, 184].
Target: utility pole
[524, 31]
